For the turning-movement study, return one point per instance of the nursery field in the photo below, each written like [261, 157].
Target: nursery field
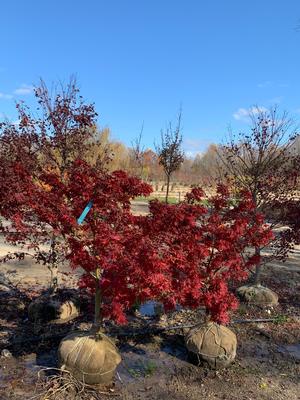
[145, 253]
[155, 362]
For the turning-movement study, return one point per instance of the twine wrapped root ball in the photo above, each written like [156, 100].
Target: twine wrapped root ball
[49, 308]
[258, 295]
[212, 343]
[92, 358]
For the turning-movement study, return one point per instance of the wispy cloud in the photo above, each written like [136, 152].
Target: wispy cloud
[194, 146]
[24, 89]
[5, 96]
[242, 114]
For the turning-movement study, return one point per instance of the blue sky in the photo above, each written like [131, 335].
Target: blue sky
[140, 60]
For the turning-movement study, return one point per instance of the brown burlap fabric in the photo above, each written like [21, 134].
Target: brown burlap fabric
[258, 294]
[47, 308]
[91, 358]
[212, 343]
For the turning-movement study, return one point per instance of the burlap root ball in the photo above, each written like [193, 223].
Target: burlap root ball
[212, 343]
[91, 358]
[49, 308]
[258, 295]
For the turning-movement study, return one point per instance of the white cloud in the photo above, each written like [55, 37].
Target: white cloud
[5, 96]
[192, 147]
[242, 114]
[24, 89]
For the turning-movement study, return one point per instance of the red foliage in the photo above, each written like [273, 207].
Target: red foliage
[48, 139]
[204, 248]
[108, 241]
[185, 254]
[109, 246]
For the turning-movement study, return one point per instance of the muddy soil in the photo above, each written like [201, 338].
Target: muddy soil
[157, 367]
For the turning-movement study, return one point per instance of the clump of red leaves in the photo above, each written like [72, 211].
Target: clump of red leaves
[185, 254]
[47, 139]
[109, 246]
[204, 247]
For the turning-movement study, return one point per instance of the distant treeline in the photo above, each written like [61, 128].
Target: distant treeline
[201, 169]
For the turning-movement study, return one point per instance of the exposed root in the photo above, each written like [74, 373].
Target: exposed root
[62, 385]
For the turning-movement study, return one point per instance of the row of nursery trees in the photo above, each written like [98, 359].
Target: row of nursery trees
[190, 253]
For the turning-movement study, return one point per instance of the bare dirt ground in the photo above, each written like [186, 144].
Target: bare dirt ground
[156, 366]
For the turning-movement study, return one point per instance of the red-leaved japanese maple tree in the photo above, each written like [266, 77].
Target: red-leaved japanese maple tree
[205, 246]
[187, 254]
[109, 246]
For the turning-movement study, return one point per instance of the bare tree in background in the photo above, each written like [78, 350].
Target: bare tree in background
[137, 154]
[207, 168]
[169, 152]
[99, 151]
[63, 124]
[259, 161]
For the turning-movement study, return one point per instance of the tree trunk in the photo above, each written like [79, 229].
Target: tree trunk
[53, 267]
[168, 186]
[53, 278]
[98, 317]
[207, 317]
[258, 267]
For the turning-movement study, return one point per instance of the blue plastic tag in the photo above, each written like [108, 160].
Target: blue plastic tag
[84, 212]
